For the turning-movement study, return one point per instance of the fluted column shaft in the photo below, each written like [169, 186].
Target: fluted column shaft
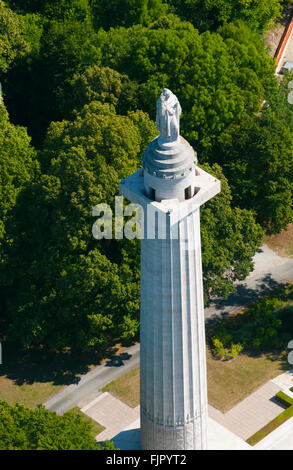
[172, 337]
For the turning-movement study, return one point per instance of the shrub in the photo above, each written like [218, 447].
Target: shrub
[218, 348]
[235, 350]
[225, 353]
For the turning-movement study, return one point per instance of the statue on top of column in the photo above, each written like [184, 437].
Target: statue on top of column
[168, 115]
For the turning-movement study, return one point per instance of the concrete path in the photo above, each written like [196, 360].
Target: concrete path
[285, 382]
[270, 270]
[252, 413]
[122, 425]
[111, 413]
[90, 384]
[219, 438]
[227, 431]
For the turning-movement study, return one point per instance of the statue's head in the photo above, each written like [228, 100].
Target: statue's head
[166, 93]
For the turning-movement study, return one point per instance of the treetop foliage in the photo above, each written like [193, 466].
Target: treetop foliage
[219, 78]
[22, 428]
[85, 84]
[12, 42]
[99, 84]
[126, 12]
[18, 165]
[210, 14]
[63, 275]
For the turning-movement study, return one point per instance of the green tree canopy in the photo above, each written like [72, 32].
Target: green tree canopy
[98, 84]
[18, 166]
[12, 43]
[63, 287]
[66, 9]
[259, 167]
[210, 14]
[58, 10]
[126, 12]
[22, 428]
[58, 49]
[219, 78]
[230, 238]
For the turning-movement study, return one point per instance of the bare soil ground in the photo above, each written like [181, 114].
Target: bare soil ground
[281, 243]
[274, 34]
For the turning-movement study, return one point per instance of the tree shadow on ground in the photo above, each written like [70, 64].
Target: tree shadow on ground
[272, 356]
[60, 368]
[285, 17]
[243, 295]
[118, 360]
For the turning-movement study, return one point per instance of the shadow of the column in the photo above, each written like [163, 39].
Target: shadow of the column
[128, 440]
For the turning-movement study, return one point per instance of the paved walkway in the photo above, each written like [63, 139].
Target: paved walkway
[87, 388]
[270, 270]
[122, 425]
[243, 420]
[111, 413]
[285, 382]
[252, 413]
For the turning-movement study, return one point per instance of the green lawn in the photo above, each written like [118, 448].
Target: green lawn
[31, 377]
[28, 394]
[126, 387]
[228, 382]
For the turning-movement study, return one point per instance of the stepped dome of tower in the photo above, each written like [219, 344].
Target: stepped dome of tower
[169, 161]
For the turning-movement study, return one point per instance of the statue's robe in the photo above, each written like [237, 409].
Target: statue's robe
[168, 114]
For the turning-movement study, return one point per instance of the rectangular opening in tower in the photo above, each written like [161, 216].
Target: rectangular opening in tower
[188, 192]
[153, 194]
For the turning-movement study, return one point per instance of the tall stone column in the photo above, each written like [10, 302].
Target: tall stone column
[170, 189]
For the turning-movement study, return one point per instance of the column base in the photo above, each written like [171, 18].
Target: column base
[188, 436]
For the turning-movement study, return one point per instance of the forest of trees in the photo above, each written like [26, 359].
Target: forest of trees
[80, 80]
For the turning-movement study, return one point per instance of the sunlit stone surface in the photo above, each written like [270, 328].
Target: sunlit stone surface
[170, 188]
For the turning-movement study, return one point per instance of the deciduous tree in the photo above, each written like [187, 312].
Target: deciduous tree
[126, 12]
[210, 14]
[22, 428]
[12, 43]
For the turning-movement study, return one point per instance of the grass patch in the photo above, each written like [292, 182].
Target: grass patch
[126, 387]
[275, 423]
[96, 427]
[28, 394]
[284, 399]
[281, 243]
[230, 382]
[30, 377]
[264, 355]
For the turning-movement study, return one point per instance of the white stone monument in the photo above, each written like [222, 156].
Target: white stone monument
[170, 189]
